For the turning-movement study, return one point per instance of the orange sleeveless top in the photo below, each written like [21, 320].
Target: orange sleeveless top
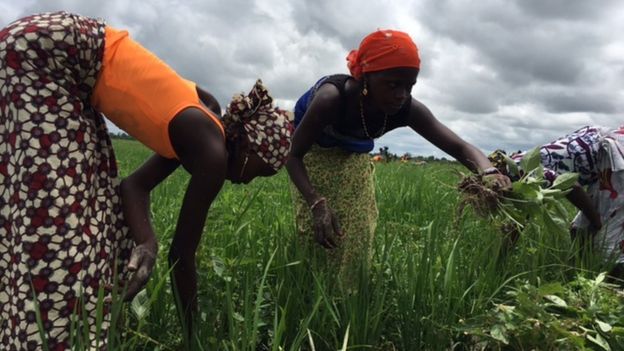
[141, 94]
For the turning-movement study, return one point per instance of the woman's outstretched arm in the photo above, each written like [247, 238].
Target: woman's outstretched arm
[135, 192]
[423, 122]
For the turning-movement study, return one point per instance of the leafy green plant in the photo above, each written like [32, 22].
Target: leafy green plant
[584, 314]
[528, 203]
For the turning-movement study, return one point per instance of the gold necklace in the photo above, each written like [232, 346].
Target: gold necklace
[383, 128]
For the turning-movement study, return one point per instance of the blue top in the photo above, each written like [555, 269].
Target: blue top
[347, 133]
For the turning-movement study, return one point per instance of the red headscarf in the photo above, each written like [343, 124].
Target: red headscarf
[381, 50]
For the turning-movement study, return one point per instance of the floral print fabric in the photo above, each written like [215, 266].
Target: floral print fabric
[347, 181]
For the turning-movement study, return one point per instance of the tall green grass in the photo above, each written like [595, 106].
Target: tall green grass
[262, 288]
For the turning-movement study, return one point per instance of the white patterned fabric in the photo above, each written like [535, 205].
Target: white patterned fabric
[607, 194]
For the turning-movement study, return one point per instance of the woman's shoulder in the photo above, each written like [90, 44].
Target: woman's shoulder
[338, 78]
[332, 87]
[415, 110]
[327, 100]
[339, 81]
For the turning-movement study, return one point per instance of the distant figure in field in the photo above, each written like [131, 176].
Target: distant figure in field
[337, 121]
[597, 155]
[67, 225]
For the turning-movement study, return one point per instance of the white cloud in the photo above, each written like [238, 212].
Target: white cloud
[500, 73]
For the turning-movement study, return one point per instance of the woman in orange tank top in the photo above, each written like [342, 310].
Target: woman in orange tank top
[67, 224]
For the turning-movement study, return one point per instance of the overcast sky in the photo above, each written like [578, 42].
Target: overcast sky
[511, 74]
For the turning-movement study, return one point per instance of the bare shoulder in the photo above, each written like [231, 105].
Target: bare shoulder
[325, 105]
[419, 108]
[327, 95]
[419, 114]
[191, 131]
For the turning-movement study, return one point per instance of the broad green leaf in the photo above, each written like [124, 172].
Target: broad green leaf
[552, 225]
[565, 181]
[556, 300]
[531, 160]
[498, 333]
[605, 327]
[600, 278]
[512, 166]
[140, 305]
[525, 191]
[538, 172]
[600, 341]
[539, 197]
[561, 222]
[517, 188]
[551, 192]
[560, 210]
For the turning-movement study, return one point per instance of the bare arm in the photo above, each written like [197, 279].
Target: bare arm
[579, 198]
[135, 191]
[323, 108]
[201, 150]
[422, 121]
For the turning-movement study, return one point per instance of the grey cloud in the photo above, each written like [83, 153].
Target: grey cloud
[579, 101]
[500, 73]
[348, 21]
[572, 10]
[520, 48]
[470, 93]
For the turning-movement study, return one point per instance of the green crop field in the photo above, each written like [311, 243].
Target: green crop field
[437, 280]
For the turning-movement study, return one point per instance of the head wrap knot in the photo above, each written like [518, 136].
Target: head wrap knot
[383, 49]
[268, 128]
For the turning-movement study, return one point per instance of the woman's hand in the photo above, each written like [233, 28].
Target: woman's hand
[325, 225]
[579, 198]
[497, 181]
[141, 264]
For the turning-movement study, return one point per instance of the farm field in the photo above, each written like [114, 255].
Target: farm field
[438, 279]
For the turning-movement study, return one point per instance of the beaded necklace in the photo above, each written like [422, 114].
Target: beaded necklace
[383, 127]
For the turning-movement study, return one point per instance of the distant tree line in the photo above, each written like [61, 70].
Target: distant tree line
[120, 135]
[387, 156]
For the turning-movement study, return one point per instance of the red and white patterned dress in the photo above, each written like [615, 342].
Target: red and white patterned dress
[62, 234]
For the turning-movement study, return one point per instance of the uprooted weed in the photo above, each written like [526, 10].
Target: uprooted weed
[530, 201]
[485, 200]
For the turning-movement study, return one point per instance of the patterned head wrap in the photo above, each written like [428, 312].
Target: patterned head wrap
[268, 129]
[381, 50]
